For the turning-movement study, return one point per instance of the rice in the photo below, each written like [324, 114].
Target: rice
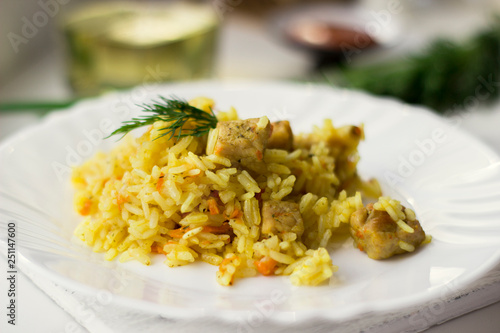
[163, 196]
[406, 246]
[402, 224]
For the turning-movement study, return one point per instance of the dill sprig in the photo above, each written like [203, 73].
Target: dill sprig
[177, 113]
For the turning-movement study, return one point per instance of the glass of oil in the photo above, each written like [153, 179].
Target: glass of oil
[119, 45]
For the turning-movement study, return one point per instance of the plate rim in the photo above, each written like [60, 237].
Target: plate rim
[304, 315]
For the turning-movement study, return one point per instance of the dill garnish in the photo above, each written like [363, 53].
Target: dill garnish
[177, 113]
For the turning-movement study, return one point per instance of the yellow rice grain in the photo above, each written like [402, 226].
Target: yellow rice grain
[172, 190]
[406, 246]
[192, 232]
[211, 258]
[160, 200]
[145, 208]
[178, 169]
[133, 209]
[193, 172]
[321, 206]
[405, 226]
[241, 244]
[248, 182]
[283, 192]
[216, 179]
[410, 214]
[239, 228]
[153, 218]
[428, 239]
[251, 211]
[140, 173]
[188, 202]
[275, 155]
[219, 160]
[326, 238]
[281, 257]
[226, 196]
[216, 245]
[390, 210]
[195, 161]
[254, 232]
[294, 155]
[181, 145]
[111, 254]
[212, 140]
[208, 164]
[194, 219]
[262, 122]
[285, 245]
[278, 169]
[247, 196]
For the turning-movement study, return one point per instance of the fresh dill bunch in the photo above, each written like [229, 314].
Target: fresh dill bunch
[444, 77]
[176, 112]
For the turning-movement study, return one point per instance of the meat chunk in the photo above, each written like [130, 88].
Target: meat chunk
[376, 233]
[281, 216]
[242, 141]
[281, 136]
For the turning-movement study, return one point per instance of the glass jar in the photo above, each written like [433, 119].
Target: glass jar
[118, 45]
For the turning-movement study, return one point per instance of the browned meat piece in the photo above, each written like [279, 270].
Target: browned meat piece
[281, 136]
[242, 141]
[376, 233]
[341, 140]
[281, 216]
[342, 143]
[347, 138]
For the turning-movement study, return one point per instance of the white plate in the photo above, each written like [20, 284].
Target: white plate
[449, 178]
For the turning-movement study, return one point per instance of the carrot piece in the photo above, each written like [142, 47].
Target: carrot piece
[178, 233]
[259, 155]
[212, 206]
[360, 235]
[236, 214]
[120, 199]
[225, 262]
[161, 180]
[158, 249]
[85, 210]
[266, 265]
[223, 229]
[217, 149]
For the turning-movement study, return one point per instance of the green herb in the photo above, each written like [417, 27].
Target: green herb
[176, 112]
[447, 77]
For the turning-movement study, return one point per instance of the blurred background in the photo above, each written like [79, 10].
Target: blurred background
[56, 51]
[435, 53]
[443, 54]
